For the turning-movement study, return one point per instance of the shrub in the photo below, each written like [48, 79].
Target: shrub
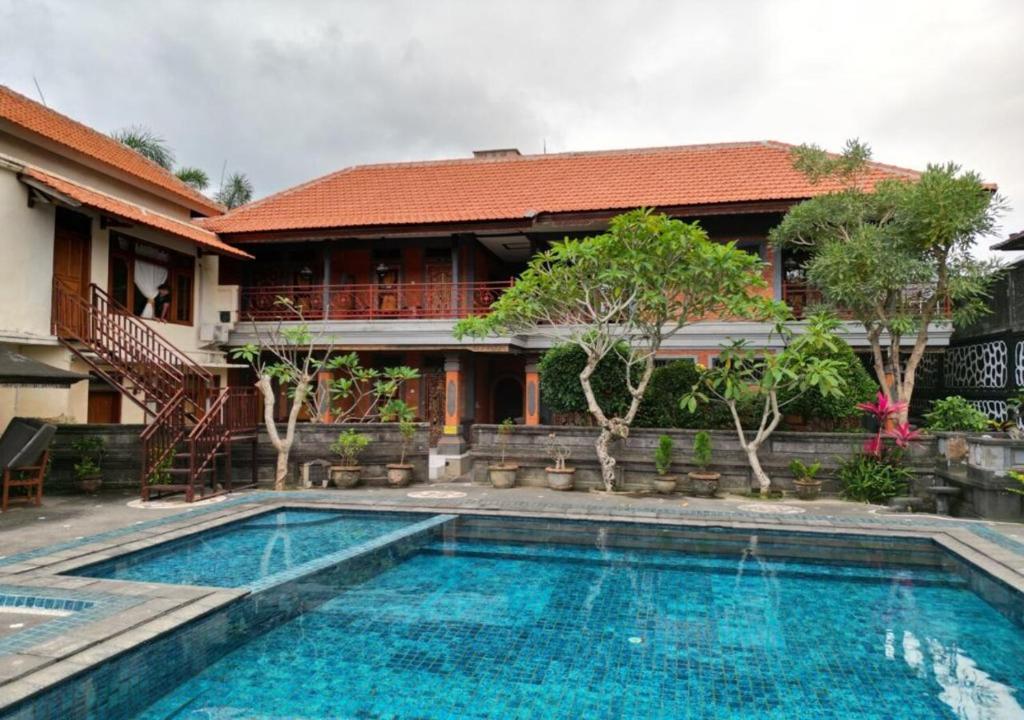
[802, 472]
[660, 406]
[663, 455]
[349, 445]
[560, 386]
[859, 386]
[702, 450]
[873, 479]
[955, 414]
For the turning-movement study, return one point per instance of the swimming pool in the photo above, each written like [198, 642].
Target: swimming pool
[506, 618]
[247, 551]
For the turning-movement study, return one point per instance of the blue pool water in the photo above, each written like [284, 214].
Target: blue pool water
[242, 553]
[483, 629]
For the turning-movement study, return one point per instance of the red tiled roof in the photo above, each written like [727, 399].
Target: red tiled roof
[30, 115]
[515, 187]
[131, 212]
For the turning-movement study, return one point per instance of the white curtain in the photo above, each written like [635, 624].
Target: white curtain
[148, 278]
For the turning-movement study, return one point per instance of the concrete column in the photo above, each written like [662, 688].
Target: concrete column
[531, 394]
[451, 442]
[452, 395]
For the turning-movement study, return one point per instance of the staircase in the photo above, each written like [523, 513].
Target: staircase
[194, 424]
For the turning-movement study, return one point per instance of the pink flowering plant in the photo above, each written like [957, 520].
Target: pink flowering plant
[878, 474]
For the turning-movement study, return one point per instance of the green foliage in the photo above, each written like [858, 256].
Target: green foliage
[663, 455]
[1019, 478]
[349, 445]
[873, 479]
[161, 474]
[396, 410]
[954, 413]
[858, 386]
[895, 255]
[560, 386]
[146, 143]
[196, 177]
[660, 406]
[702, 449]
[89, 451]
[804, 472]
[236, 190]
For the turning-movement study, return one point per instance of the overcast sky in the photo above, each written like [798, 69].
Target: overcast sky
[290, 91]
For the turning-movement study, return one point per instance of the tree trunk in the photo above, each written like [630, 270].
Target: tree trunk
[760, 475]
[606, 459]
[282, 445]
[281, 471]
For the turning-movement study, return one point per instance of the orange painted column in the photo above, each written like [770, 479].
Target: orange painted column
[452, 395]
[531, 396]
[322, 389]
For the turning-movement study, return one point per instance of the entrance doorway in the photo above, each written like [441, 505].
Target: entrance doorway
[72, 247]
[508, 399]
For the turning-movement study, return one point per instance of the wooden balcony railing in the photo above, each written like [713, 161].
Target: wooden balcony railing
[388, 301]
[801, 297]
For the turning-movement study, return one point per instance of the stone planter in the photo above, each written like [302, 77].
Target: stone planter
[560, 479]
[502, 476]
[345, 476]
[665, 484]
[399, 475]
[807, 489]
[89, 483]
[705, 484]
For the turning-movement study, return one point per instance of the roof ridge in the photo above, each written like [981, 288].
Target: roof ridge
[185, 189]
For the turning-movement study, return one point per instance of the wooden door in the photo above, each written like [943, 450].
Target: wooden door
[72, 248]
[439, 296]
[104, 407]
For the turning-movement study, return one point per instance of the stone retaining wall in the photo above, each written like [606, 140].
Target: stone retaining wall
[122, 462]
[526, 447]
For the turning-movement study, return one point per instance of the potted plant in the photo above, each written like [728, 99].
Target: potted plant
[664, 483]
[560, 477]
[503, 474]
[88, 466]
[400, 474]
[348, 446]
[705, 482]
[807, 488]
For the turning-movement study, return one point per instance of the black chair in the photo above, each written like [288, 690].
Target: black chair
[24, 452]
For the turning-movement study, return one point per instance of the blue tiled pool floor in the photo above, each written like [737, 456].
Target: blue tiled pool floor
[480, 630]
[244, 552]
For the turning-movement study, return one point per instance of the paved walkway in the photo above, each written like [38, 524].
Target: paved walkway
[66, 521]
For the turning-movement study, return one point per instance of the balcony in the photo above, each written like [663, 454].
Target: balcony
[378, 301]
[802, 297]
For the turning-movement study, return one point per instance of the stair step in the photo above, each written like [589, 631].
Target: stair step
[186, 455]
[185, 471]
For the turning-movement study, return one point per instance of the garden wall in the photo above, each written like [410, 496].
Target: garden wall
[526, 446]
[122, 463]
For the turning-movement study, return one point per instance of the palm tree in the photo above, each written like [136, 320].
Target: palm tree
[196, 177]
[147, 143]
[236, 190]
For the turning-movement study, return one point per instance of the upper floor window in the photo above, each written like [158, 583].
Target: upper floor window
[151, 281]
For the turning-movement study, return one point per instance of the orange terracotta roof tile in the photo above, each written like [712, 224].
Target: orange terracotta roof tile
[129, 211]
[514, 187]
[41, 120]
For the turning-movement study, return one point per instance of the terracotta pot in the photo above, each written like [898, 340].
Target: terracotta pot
[560, 479]
[665, 484]
[705, 484]
[807, 489]
[502, 476]
[345, 476]
[89, 483]
[399, 475]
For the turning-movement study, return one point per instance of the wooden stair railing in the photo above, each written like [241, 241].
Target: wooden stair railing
[191, 427]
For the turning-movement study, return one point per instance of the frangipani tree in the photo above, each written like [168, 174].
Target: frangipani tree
[896, 257]
[291, 355]
[774, 380]
[624, 293]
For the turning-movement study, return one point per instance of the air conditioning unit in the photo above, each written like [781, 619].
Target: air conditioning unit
[214, 332]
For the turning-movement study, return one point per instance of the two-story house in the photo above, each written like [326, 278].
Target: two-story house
[389, 256]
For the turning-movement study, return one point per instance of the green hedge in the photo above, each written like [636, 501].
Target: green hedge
[831, 412]
[561, 392]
